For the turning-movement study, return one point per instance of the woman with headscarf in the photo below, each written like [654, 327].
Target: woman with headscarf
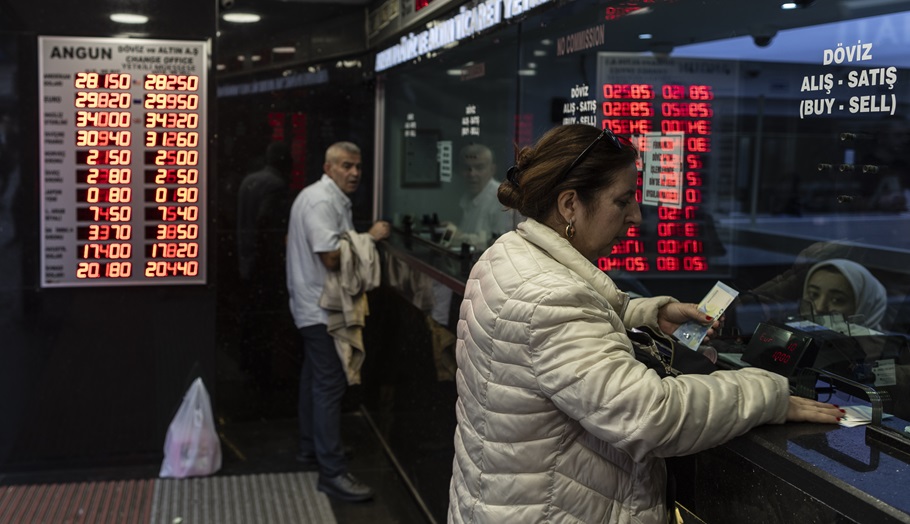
[841, 286]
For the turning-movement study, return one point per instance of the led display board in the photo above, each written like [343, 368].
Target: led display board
[667, 107]
[122, 161]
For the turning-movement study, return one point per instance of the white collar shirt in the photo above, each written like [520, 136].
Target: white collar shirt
[321, 213]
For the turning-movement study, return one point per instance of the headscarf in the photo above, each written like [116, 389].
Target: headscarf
[871, 297]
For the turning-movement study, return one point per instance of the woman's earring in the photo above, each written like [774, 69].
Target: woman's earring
[570, 231]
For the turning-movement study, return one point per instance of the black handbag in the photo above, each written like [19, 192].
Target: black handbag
[664, 355]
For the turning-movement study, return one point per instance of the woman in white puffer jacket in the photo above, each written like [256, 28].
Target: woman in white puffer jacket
[557, 420]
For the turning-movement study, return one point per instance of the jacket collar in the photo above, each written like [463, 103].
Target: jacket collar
[562, 251]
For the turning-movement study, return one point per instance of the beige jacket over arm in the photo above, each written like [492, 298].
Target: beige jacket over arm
[557, 421]
[344, 296]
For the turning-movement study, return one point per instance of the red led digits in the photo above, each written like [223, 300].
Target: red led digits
[629, 127]
[171, 101]
[102, 119]
[166, 158]
[693, 179]
[102, 138]
[171, 139]
[86, 80]
[104, 214]
[701, 92]
[692, 92]
[684, 112]
[172, 157]
[110, 157]
[631, 264]
[698, 144]
[629, 91]
[173, 213]
[107, 195]
[112, 251]
[173, 232]
[674, 246]
[87, 270]
[104, 175]
[160, 268]
[668, 264]
[103, 100]
[172, 120]
[105, 232]
[180, 141]
[172, 176]
[171, 82]
[670, 213]
[182, 195]
[636, 109]
[689, 127]
[677, 229]
[172, 250]
[625, 247]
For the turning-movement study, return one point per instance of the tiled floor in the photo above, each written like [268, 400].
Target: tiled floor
[270, 446]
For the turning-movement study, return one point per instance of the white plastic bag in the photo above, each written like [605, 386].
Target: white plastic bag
[192, 447]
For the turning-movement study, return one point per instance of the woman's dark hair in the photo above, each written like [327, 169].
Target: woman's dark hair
[539, 173]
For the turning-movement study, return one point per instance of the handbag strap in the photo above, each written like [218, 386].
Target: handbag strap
[646, 352]
[680, 358]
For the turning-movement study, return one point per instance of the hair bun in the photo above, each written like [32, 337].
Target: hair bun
[512, 175]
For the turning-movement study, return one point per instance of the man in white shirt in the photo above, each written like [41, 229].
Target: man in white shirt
[482, 215]
[321, 213]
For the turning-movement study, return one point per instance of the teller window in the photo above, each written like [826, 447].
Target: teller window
[449, 142]
[772, 137]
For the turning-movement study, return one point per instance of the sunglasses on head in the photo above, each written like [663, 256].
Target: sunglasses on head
[611, 139]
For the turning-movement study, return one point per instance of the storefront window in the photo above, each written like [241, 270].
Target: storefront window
[773, 137]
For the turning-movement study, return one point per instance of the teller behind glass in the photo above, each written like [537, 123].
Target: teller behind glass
[846, 297]
[843, 288]
[825, 280]
[557, 419]
[482, 216]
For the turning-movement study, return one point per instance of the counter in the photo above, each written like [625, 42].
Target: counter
[444, 265]
[805, 473]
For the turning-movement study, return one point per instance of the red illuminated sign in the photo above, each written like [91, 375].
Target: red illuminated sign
[123, 163]
[637, 110]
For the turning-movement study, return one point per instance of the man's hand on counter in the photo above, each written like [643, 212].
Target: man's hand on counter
[380, 230]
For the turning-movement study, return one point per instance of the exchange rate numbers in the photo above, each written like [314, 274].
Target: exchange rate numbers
[103, 138]
[685, 112]
[171, 83]
[89, 80]
[171, 139]
[89, 270]
[123, 160]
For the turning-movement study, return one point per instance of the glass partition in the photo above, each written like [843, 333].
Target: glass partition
[773, 142]
[449, 139]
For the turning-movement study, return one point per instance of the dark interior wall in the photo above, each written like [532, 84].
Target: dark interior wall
[258, 346]
[88, 376]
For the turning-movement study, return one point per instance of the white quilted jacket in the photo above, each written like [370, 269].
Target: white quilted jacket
[557, 421]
